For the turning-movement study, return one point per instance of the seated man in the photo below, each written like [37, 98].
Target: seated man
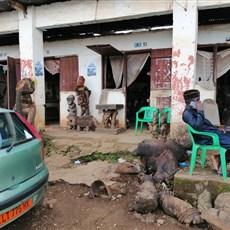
[193, 115]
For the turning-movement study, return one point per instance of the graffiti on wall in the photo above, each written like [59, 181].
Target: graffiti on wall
[27, 68]
[181, 79]
[162, 75]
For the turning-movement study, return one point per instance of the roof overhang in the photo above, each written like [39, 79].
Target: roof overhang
[105, 50]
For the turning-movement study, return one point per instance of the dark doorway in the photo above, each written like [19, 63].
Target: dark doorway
[3, 85]
[138, 93]
[52, 106]
[223, 98]
[10, 74]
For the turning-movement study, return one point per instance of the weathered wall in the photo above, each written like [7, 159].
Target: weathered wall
[87, 12]
[9, 22]
[154, 40]
[183, 59]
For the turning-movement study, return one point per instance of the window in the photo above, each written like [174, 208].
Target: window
[114, 63]
[12, 130]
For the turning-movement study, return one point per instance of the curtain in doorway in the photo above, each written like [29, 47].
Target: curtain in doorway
[52, 66]
[117, 64]
[204, 69]
[223, 62]
[135, 63]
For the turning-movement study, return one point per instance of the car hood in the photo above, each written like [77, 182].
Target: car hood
[20, 163]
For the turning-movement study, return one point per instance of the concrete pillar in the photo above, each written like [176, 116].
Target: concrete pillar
[32, 64]
[185, 29]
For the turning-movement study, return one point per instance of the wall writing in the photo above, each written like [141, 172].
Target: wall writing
[27, 68]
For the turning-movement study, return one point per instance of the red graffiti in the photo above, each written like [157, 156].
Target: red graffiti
[187, 82]
[176, 53]
[26, 68]
[191, 61]
[178, 87]
[175, 63]
[182, 64]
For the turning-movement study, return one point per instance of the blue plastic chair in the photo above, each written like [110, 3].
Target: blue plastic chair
[160, 114]
[145, 114]
[204, 148]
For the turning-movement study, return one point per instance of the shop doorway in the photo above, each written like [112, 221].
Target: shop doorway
[52, 107]
[3, 85]
[216, 75]
[138, 93]
[223, 98]
[9, 76]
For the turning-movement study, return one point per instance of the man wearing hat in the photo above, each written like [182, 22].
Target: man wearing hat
[194, 116]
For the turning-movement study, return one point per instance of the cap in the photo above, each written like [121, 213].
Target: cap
[71, 96]
[190, 94]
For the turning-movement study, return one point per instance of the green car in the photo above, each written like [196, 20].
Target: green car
[23, 174]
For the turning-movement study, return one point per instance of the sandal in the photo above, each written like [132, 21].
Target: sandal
[219, 172]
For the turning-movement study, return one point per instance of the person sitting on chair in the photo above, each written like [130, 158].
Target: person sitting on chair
[193, 115]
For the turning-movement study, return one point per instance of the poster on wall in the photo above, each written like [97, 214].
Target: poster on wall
[91, 70]
[38, 69]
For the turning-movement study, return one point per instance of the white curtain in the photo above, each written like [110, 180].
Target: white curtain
[204, 69]
[117, 69]
[223, 62]
[4, 68]
[135, 63]
[52, 66]
[103, 98]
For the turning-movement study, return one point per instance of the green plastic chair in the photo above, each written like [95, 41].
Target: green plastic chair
[165, 110]
[214, 146]
[145, 114]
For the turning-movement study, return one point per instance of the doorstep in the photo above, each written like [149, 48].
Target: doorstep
[114, 131]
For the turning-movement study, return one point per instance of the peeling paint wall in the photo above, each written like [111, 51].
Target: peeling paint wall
[31, 55]
[185, 18]
[27, 68]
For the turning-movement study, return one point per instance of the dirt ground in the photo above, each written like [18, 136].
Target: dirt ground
[70, 207]
[70, 204]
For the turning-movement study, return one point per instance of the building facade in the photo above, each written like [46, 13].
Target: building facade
[174, 46]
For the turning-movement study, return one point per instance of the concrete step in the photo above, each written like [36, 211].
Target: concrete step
[189, 187]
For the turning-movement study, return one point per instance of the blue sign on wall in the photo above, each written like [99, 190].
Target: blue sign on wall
[91, 70]
[38, 69]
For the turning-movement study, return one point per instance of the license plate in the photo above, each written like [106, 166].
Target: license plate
[13, 213]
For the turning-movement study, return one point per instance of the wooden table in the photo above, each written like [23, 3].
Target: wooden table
[109, 114]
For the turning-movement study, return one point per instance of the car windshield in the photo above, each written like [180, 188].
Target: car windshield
[12, 130]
